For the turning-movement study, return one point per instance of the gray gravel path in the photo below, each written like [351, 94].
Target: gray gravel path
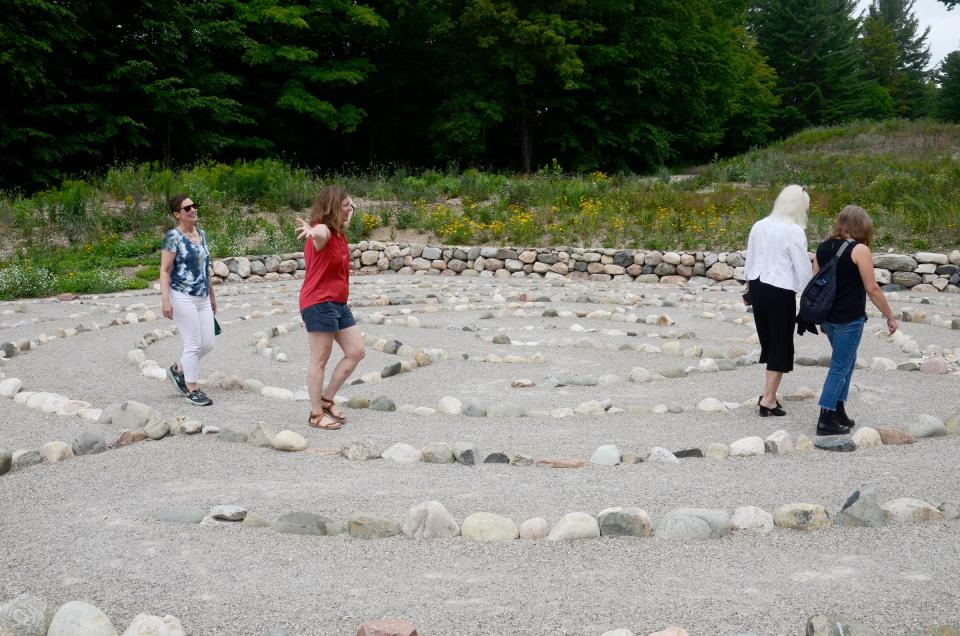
[85, 528]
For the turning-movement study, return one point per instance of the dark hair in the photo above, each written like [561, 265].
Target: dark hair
[854, 222]
[326, 208]
[176, 202]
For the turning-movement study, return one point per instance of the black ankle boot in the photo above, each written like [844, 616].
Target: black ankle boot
[830, 424]
[842, 413]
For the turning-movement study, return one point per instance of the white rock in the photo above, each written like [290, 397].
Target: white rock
[533, 529]
[713, 405]
[10, 387]
[78, 618]
[154, 373]
[56, 451]
[779, 443]
[424, 411]
[429, 520]
[289, 441]
[486, 526]
[562, 412]
[640, 375]
[747, 447]
[276, 393]
[662, 456]
[906, 510]
[450, 405]
[753, 519]
[575, 525]
[708, 365]
[867, 437]
[883, 364]
[608, 455]
[402, 454]
[146, 625]
[590, 407]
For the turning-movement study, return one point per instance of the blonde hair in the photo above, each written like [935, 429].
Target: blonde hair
[854, 222]
[792, 205]
[326, 208]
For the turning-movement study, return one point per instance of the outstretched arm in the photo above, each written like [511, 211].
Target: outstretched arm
[319, 233]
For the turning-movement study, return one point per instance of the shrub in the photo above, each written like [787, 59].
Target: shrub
[22, 280]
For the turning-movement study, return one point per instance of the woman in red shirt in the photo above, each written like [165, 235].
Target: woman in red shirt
[323, 303]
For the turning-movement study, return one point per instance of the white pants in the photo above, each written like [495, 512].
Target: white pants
[194, 318]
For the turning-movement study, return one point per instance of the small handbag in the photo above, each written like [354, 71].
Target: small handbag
[216, 328]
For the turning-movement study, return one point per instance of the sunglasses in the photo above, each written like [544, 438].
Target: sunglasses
[189, 208]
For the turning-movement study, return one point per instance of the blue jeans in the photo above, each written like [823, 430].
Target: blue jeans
[844, 339]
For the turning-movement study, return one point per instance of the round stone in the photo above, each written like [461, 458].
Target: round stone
[289, 441]
[486, 526]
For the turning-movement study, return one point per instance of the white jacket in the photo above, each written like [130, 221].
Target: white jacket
[777, 254]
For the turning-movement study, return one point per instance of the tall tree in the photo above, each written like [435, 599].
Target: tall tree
[891, 30]
[821, 75]
[948, 105]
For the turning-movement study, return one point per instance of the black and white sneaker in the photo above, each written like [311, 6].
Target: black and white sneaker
[199, 398]
[177, 378]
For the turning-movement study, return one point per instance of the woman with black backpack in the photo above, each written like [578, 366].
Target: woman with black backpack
[849, 242]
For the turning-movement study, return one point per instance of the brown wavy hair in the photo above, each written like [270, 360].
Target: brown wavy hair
[854, 222]
[326, 208]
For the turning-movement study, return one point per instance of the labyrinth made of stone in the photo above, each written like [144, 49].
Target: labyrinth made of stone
[521, 457]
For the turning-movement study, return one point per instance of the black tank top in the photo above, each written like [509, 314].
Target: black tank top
[851, 301]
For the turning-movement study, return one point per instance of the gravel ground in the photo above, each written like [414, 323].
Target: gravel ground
[85, 528]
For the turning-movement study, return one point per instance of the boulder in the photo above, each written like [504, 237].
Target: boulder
[429, 520]
[25, 615]
[78, 618]
[364, 526]
[575, 525]
[801, 516]
[624, 522]
[862, 510]
[486, 526]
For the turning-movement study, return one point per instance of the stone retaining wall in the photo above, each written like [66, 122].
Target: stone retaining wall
[922, 272]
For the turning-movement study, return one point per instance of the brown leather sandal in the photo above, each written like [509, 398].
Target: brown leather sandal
[328, 409]
[316, 421]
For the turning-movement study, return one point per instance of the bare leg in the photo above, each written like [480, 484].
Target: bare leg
[351, 341]
[770, 387]
[321, 344]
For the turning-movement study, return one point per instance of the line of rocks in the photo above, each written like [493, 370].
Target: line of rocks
[29, 615]
[431, 520]
[924, 272]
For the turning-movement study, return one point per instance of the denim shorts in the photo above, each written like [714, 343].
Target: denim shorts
[329, 317]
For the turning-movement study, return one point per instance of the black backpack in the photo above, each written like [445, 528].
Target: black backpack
[816, 301]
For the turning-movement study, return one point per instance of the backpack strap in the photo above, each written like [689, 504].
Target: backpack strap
[842, 249]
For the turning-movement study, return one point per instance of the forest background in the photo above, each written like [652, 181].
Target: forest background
[538, 110]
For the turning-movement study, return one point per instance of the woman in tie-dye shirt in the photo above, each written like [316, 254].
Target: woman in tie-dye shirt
[188, 296]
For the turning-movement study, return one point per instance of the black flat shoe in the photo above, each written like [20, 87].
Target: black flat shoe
[830, 424]
[776, 411]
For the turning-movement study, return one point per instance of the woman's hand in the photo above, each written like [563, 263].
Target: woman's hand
[305, 229]
[167, 309]
[892, 325]
[213, 304]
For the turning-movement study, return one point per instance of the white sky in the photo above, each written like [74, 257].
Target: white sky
[944, 27]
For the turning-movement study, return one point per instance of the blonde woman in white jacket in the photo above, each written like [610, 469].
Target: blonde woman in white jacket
[778, 268]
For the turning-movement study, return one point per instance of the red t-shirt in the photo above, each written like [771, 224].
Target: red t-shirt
[328, 272]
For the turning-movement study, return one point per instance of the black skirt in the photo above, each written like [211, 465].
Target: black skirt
[775, 312]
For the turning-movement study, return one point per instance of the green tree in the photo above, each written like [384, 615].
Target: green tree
[948, 104]
[897, 55]
[821, 74]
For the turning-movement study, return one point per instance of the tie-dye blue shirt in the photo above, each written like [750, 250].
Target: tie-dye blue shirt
[191, 263]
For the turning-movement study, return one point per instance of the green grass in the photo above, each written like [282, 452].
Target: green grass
[905, 173]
